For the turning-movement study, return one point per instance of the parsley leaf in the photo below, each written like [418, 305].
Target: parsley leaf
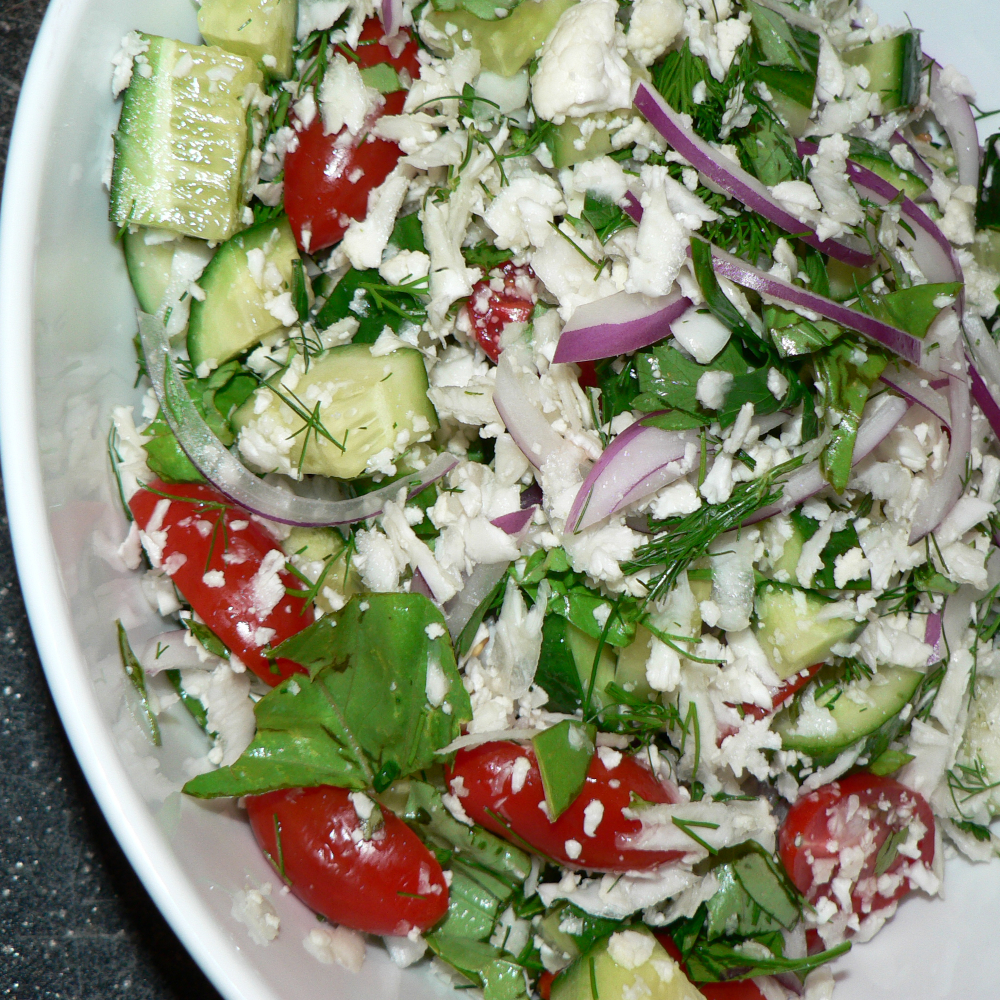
[362, 706]
[605, 216]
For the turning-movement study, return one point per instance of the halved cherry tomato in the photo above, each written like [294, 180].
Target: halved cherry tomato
[736, 989]
[783, 694]
[545, 984]
[491, 308]
[321, 198]
[831, 838]
[487, 795]
[389, 884]
[229, 569]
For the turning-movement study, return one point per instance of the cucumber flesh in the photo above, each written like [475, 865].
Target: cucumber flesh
[790, 630]
[182, 141]
[568, 146]
[162, 272]
[584, 651]
[894, 67]
[374, 408]
[239, 286]
[262, 30]
[505, 45]
[853, 712]
[597, 974]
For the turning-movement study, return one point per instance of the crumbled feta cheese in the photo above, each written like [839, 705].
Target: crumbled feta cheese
[582, 70]
[336, 945]
[653, 27]
[254, 909]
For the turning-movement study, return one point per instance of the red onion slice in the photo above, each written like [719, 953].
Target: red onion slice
[934, 255]
[932, 635]
[618, 324]
[953, 112]
[733, 179]
[920, 165]
[392, 16]
[947, 488]
[740, 272]
[632, 207]
[512, 396]
[516, 522]
[478, 586]
[984, 399]
[635, 465]
[886, 412]
[915, 387]
[231, 478]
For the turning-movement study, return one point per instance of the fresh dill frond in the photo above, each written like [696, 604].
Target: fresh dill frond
[678, 542]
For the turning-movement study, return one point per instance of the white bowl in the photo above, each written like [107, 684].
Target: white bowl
[66, 324]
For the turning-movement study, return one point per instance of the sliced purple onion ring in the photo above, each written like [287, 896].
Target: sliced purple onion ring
[886, 412]
[953, 112]
[516, 522]
[478, 586]
[236, 482]
[947, 488]
[934, 255]
[392, 16]
[984, 368]
[512, 396]
[632, 207]
[618, 324]
[740, 272]
[635, 465]
[733, 179]
[920, 165]
[915, 387]
[932, 635]
[984, 399]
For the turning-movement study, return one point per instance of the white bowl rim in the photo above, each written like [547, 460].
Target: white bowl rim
[62, 659]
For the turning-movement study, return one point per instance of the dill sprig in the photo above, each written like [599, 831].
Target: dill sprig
[966, 781]
[678, 542]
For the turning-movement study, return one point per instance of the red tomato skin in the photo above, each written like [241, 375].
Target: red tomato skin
[319, 197]
[237, 553]
[783, 694]
[816, 824]
[486, 775]
[489, 311]
[735, 989]
[545, 984]
[372, 886]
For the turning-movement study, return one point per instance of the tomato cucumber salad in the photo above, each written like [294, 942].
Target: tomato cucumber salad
[567, 472]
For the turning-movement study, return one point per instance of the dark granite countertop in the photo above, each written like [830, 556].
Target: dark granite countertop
[75, 922]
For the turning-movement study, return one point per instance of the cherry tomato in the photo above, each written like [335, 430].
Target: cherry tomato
[487, 795]
[735, 989]
[831, 838]
[545, 984]
[783, 694]
[386, 885]
[321, 199]
[506, 295]
[214, 553]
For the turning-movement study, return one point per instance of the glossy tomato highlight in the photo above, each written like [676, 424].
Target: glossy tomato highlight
[227, 567]
[509, 802]
[389, 884]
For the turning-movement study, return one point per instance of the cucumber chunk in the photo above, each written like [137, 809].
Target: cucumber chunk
[568, 146]
[505, 45]
[162, 268]
[566, 663]
[598, 974]
[853, 712]
[249, 272]
[894, 67]
[373, 408]
[182, 141]
[790, 628]
[263, 30]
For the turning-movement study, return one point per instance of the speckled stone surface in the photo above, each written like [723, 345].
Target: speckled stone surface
[75, 922]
